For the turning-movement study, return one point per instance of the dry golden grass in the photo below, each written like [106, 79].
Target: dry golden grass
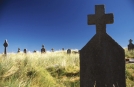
[52, 69]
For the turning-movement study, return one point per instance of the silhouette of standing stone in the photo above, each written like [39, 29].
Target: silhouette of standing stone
[25, 50]
[130, 45]
[5, 47]
[62, 49]
[34, 51]
[102, 60]
[69, 51]
[18, 50]
[43, 49]
[52, 50]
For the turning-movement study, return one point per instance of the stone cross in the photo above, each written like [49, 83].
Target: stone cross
[69, 51]
[52, 50]
[100, 19]
[18, 50]
[130, 41]
[34, 51]
[43, 50]
[25, 50]
[102, 60]
[62, 49]
[130, 45]
[5, 46]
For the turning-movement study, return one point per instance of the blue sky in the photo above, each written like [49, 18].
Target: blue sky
[60, 23]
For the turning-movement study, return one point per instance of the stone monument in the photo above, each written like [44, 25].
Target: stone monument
[18, 50]
[34, 51]
[43, 50]
[130, 45]
[62, 49]
[68, 51]
[5, 47]
[52, 50]
[25, 50]
[102, 60]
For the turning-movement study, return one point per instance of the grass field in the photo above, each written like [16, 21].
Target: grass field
[52, 69]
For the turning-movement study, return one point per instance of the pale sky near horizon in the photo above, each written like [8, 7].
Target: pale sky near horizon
[60, 23]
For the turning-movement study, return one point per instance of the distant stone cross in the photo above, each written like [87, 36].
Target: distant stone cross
[69, 51]
[5, 45]
[18, 50]
[130, 45]
[52, 50]
[43, 50]
[25, 50]
[34, 51]
[130, 41]
[100, 19]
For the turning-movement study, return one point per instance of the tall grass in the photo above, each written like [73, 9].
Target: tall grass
[129, 54]
[52, 69]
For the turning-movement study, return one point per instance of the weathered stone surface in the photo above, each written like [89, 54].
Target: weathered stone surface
[102, 60]
[130, 45]
[5, 46]
[100, 19]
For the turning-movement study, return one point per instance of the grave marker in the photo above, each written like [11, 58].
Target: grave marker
[43, 50]
[18, 50]
[25, 50]
[130, 45]
[102, 60]
[5, 47]
[52, 50]
[62, 49]
[69, 51]
[34, 51]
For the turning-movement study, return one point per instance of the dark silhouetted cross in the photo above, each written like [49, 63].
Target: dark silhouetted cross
[130, 41]
[100, 19]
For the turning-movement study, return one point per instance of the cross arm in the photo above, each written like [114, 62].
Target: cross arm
[109, 18]
[91, 19]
